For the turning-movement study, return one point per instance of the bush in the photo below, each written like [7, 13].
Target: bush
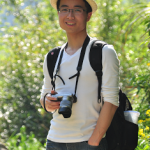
[21, 141]
[35, 31]
[144, 131]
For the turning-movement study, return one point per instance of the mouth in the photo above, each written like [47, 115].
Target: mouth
[70, 24]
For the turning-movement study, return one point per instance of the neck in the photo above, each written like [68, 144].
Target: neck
[75, 41]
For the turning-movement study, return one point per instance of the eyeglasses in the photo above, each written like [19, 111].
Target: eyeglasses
[76, 11]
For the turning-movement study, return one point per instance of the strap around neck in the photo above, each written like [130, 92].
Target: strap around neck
[79, 67]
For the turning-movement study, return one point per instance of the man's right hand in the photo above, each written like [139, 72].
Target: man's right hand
[50, 105]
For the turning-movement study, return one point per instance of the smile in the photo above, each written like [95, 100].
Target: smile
[70, 23]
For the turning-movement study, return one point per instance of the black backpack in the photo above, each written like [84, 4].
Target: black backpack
[121, 134]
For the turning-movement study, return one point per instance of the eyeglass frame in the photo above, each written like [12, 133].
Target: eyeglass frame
[72, 10]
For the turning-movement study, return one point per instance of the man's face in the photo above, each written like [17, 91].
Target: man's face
[72, 22]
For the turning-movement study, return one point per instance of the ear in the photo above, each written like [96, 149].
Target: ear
[89, 16]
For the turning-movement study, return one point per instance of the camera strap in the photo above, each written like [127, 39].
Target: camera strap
[79, 67]
[56, 74]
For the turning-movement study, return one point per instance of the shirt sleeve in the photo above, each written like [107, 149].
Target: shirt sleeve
[110, 78]
[47, 87]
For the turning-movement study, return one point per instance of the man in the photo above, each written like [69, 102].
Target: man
[86, 128]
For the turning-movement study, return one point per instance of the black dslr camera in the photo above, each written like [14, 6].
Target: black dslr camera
[66, 102]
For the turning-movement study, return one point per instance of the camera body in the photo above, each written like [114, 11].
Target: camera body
[66, 101]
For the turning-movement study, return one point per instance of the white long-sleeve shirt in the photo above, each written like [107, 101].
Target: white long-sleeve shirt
[85, 112]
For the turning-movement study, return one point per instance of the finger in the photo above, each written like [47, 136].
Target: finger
[51, 103]
[49, 97]
[53, 92]
[52, 110]
[50, 106]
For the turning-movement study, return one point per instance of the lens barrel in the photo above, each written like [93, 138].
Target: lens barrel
[66, 101]
[65, 111]
[66, 106]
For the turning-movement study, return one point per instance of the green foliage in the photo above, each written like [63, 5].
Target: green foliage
[36, 30]
[134, 39]
[23, 142]
[144, 134]
[22, 75]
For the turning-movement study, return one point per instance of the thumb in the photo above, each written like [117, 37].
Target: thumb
[53, 92]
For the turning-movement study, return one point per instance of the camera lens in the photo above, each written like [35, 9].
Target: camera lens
[66, 106]
[65, 111]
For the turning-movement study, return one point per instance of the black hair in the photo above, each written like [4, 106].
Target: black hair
[58, 3]
[89, 9]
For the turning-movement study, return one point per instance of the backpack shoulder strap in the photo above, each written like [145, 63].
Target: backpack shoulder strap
[95, 58]
[51, 60]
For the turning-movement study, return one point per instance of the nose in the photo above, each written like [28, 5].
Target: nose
[70, 14]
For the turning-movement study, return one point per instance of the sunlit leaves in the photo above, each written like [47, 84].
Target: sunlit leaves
[24, 46]
[35, 30]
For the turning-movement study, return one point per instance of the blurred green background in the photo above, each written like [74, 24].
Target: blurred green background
[30, 28]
